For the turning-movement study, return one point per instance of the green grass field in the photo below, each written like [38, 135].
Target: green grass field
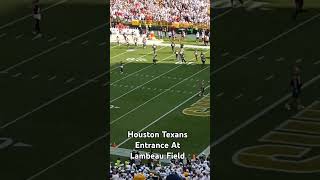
[153, 98]
[49, 86]
[255, 49]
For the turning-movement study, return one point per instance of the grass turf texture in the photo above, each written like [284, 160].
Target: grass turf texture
[46, 98]
[252, 72]
[146, 92]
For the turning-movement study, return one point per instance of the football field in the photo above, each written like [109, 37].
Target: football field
[255, 137]
[48, 128]
[159, 97]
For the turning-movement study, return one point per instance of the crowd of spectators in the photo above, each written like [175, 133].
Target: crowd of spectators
[187, 169]
[193, 11]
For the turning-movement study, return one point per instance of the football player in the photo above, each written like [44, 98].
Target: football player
[154, 59]
[154, 47]
[121, 67]
[202, 88]
[203, 58]
[36, 17]
[196, 54]
[296, 85]
[144, 41]
[172, 46]
[118, 40]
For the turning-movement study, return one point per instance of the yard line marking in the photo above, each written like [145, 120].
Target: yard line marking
[17, 75]
[68, 156]
[299, 60]
[84, 42]
[267, 43]
[317, 62]
[151, 65]
[37, 37]
[52, 39]
[280, 59]
[3, 35]
[35, 76]
[166, 90]
[239, 96]
[52, 78]
[164, 115]
[255, 117]
[19, 36]
[225, 54]
[51, 49]
[258, 98]
[51, 101]
[269, 77]
[104, 43]
[30, 15]
[70, 80]
[148, 81]
[220, 94]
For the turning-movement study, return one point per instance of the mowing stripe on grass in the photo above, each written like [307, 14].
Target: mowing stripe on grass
[87, 146]
[30, 15]
[52, 39]
[52, 48]
[164, 115]
[166, 90]
[267, 43]
[145, 83]
[127, 52]
[138, 71]
[3, 35]
[52, 101]
[264, 111]
[67, 156]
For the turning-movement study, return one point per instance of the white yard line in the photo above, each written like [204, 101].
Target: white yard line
[67, 156]
[93, 142]
[264, 111]
[30, 15]
[52, 101]
[157, 77]
[267, 43]
[51, 49]
[166, 90]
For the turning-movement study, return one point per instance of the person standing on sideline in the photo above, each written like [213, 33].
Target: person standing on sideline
[37, 17]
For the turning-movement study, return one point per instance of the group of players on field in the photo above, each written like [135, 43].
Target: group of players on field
[180, 55]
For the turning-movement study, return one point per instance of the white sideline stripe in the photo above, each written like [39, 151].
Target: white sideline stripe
[52, 101]
[166, 90]
[3, 35]
[19, 36]
[35, 76]
[164, 115]
[255, 117]
[51, 49]
[52, 39]
[129, 51]
[84, 42]
[67, 156]
[30, 15]
[103, 43]
[267, 43]
[145, 83]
